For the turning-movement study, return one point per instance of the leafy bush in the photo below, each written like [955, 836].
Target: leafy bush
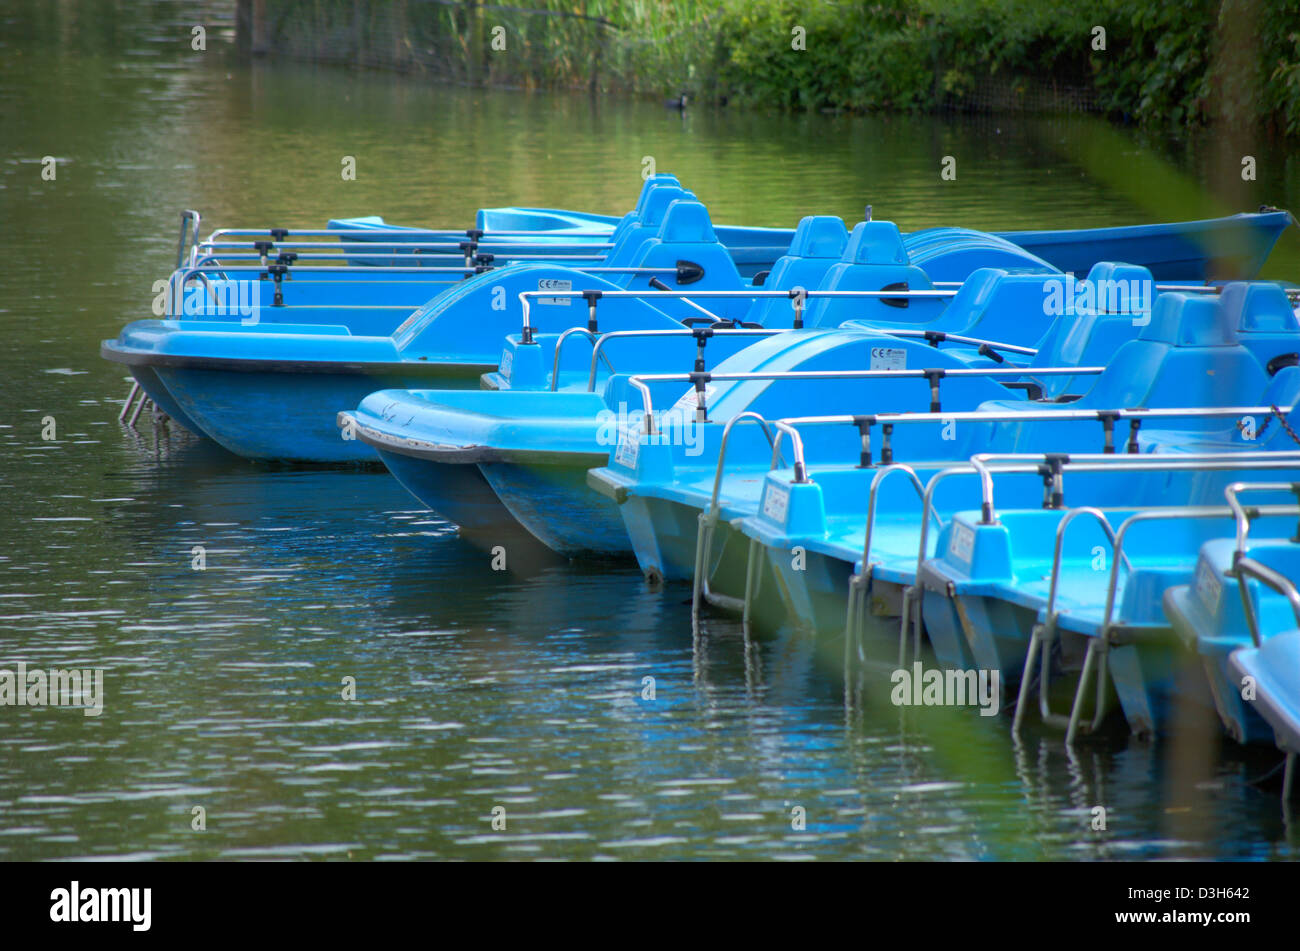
[1167, 65]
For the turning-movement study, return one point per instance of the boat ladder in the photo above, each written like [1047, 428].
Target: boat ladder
[136, 400]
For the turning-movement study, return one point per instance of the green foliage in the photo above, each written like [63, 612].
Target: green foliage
[1168, 65]
[1284, 84]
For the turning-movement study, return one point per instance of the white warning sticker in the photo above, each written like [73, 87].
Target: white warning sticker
[888, 358]
[776, 502]
[962, 542]
[554, 284]
[629, 447]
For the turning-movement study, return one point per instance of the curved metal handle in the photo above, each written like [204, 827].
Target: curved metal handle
[1250, 568]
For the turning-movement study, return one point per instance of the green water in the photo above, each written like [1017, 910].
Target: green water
[476, 689]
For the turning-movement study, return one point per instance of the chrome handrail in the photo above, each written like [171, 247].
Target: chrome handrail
[1108, 462]
[1180, 288]
[415, 233]
[978, 416]
[1239, 513]
[1247, 567]
[596, 352]
[638, 380]
[1252, 568]
[708, 518]
[880, 476]
[559, 344]
[1041, 639]
[436, 246]
[943, 336]
[795, 295]
[187, 215]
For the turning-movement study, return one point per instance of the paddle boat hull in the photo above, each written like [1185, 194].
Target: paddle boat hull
[1209, 614]
[1230, 248]
[270, 407]
[1234, 247]
[1274, 669]
[447, 447]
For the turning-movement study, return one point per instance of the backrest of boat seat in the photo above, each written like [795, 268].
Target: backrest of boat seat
[1283, 392]
[997, 304]
[1121, 304]
[686, 235]
[649, 186]
[1273, 613]
[633, 217]
[818, 242]
[629, 246]
[1283, 556]
[1265, 323]
[1186, 356]
[874, 259]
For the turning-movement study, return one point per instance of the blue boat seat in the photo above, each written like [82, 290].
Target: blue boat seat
[1092, 338]
[633, 217]
[1276, 668]
[1011, 307]
[1187, 356]
[874, 259]
[818, 243]
[997, 304]
[649, 186]
[1265, 322]
[628, 247]
[686, 234]
[1283, 391]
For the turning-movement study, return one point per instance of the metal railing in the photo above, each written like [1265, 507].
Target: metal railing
[1107, 417]
[933, 376]
[1044, 635]
[1178, 288]
[598, 341]
[707, 523]
[987, 465]
[1247, 567]
[796, 295]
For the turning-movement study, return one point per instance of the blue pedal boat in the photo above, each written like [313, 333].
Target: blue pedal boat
[234, 279]
[203, 291]
[984, 588]
[214, 373]
[1268, 669]
[1133, 379]
[995, 302]
[1078, 591]
[534, 452]
[1231, 247]
[207, 373]
[1225, 608]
